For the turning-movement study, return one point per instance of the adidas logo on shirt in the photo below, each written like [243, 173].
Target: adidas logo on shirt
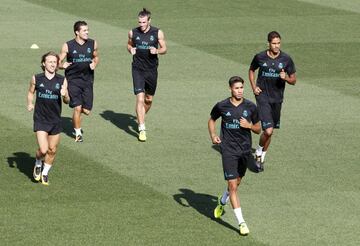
[264, 65]
[41, 85]
[228, 114]
[74, 52]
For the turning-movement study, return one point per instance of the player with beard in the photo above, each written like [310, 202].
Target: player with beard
[145, 43]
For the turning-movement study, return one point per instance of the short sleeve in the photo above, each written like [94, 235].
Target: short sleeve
[215, 112]
[254, 63]
[290, 67]
[255, 115]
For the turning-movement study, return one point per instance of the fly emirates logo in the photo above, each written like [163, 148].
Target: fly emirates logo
[234, 125]
[270, 74]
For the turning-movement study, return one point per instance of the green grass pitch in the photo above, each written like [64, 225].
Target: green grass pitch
[113, 190]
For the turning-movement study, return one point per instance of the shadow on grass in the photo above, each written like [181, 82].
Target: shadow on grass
[67, 126]
[203, 203]
[126, 122]
[24, 162]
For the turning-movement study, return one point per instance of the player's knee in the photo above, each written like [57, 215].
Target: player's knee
[148, 100]
[268, 132]
[51, 151]
[78, 109]
[140, 97]
[43, 150]
[232, 186]
[140, 100]
[86, 111]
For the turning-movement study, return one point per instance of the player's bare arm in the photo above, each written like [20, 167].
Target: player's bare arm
[95, 60]
[62, 56]
[255, 88]
[255, 128]
[64, 92]
[130, 44]
[30, 96]
[214, 137]
[290, 79]
[162, 45]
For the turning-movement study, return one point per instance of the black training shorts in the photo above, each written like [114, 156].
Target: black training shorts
[234, 166]
[269, 114]
[144, 81]
[81, 93]
[50, 128]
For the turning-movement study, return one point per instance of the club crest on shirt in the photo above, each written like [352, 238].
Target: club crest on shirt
[281, 66]
[245, 113]
[152, 38]
[88, 50]
[57, 86]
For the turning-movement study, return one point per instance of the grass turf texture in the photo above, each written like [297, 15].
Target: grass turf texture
[114, 190]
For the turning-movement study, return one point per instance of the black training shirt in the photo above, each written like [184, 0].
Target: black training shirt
[143, 60]
[235, 139]
[48, 98]
[268, 79]
[80, 56]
